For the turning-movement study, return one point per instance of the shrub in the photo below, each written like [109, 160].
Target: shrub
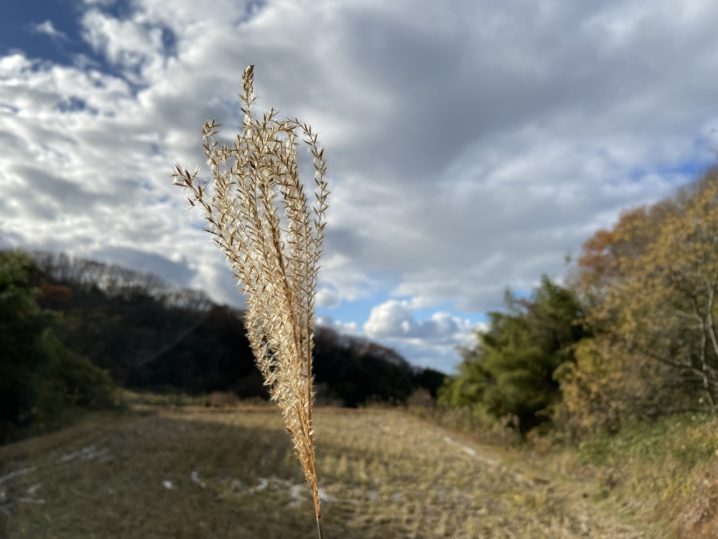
[40, 379]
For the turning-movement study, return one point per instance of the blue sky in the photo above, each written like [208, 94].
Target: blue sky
[17, 29]
[470, 148]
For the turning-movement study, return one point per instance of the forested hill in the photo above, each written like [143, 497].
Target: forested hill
[147, 334]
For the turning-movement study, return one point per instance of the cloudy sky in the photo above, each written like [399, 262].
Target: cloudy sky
[472, 145]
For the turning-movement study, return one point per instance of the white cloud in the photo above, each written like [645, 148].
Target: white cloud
[394, 319]
[342, 279]
[134, 45]
[345, 328]
[432, 342]
[46, 27]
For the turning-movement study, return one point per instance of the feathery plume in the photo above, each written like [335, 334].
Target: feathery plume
[259, 215]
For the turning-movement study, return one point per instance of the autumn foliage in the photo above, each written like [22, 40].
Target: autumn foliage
[648, 346]
[651, 282]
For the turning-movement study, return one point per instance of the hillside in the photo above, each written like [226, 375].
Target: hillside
[150, 335]
[193, 472]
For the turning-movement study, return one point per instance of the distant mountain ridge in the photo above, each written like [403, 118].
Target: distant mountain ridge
[151, 335]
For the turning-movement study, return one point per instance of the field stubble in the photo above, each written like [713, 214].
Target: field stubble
[193, 472]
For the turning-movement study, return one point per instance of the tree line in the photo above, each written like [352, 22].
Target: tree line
[631, 334]
[72, 329]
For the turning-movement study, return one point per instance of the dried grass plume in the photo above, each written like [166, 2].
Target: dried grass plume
[259, 215]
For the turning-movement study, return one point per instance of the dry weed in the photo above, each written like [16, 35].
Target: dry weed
[260, 217]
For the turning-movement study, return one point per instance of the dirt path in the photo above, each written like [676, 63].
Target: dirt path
[197, 473]
[566, 503]
[494, 495]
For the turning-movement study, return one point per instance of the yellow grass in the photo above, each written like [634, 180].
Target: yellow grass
[663, 472]
[194, 472]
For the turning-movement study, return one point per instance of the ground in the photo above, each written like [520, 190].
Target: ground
[193, 472]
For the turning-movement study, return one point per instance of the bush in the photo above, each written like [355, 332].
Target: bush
[39, 378]
[71, 381]
[608, 385]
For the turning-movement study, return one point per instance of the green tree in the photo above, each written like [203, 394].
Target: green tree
[39, 377]
[510, 373]
[22, 354]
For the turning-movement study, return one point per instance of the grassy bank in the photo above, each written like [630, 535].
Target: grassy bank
[665, 473]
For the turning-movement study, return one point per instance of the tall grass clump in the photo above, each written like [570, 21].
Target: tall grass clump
[259, 215]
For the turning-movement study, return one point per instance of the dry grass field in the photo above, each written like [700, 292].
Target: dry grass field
[193, 472]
